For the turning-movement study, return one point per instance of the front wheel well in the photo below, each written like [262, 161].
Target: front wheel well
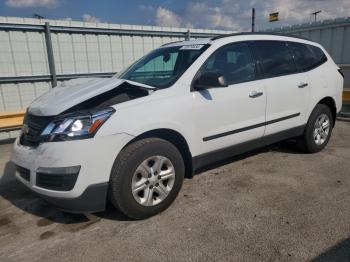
[328, 101]
[174, 138]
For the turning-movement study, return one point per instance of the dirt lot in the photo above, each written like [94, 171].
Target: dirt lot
[273, 204]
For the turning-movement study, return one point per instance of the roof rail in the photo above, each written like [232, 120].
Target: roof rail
[173, 42]
[254, 33]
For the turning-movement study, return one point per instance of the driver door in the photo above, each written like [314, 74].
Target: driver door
[231, 115]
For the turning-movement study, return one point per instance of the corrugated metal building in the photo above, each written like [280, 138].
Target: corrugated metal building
[36, 54]
[79, 49]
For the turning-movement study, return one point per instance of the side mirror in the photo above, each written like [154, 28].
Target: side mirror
[209, 80]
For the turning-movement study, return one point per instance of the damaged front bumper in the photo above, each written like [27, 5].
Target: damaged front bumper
[73, 175]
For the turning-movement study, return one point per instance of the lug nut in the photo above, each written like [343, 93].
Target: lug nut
[149, 175]
[157, 184]
[147, 182]
[150, 187]
[159, 177]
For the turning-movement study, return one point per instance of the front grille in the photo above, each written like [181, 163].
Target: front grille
[23, 173]
[33, 127]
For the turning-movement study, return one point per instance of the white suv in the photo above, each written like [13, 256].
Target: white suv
[133, 137]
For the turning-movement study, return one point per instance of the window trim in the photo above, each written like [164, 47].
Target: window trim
[255, 56]
[248, 43]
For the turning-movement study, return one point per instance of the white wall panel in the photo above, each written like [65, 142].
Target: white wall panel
[117, 53]
[37, 53]
[80, 53]
[15, 97]
[7, 64]
[128, 49]
[23, 53]
[11, 99]
[20, 53]
[93, 53]
[66, 57]
[138, 47]
[105, 53]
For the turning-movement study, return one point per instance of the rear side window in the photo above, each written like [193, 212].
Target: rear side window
[307, 56]
[275, 58]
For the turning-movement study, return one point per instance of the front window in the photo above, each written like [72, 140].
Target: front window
[162, 67]
[234, 62]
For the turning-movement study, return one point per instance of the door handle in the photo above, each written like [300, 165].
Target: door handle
[302, 85]
[255, 93]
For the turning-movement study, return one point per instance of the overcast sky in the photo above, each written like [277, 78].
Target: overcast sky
[212, 14]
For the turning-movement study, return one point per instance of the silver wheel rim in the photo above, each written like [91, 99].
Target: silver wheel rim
[321, 129]
[153, 180]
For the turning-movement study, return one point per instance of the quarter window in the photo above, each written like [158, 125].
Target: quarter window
[234, 62]
[275, 59]
[307, 56]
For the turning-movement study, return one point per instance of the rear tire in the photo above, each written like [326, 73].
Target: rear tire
[146, 177]
[318, 130]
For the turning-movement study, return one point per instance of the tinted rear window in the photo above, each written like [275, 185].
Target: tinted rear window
[307, 56]
[275, 58]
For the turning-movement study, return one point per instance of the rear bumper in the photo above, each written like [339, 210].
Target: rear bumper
[92, 200]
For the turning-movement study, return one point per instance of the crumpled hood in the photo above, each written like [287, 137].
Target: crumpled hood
[61, 98]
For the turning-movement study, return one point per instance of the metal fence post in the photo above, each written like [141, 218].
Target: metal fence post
[50, 56]
[188, 35]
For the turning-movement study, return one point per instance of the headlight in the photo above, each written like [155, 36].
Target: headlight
[76, 126]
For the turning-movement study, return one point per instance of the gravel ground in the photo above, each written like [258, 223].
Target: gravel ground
[273, 204]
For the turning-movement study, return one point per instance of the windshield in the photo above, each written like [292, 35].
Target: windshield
[162, 67]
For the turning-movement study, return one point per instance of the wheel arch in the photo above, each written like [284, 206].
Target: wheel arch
[330, 102]
[175, 138]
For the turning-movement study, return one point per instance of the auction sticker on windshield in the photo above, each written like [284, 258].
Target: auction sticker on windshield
[191, 47]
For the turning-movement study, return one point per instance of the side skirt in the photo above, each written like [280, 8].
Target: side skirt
[222, 154]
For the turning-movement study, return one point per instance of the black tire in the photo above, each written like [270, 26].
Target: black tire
[306, 142]
[125, 165]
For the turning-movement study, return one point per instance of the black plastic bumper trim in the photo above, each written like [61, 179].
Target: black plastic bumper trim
[93, 199]
[57, 178]
[23, 172]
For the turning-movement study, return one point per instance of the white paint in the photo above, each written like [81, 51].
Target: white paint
[192, 114]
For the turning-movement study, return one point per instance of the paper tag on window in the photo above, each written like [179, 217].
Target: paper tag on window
[191, 47]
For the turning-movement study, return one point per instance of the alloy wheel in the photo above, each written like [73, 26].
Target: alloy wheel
[153, 180]
[321, 129]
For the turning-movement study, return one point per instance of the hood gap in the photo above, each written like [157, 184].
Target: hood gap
[122, 93]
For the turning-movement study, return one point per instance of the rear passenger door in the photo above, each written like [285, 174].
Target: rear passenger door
[287, 89]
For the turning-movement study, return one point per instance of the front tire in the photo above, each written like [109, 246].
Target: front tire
[146, 178]
[318, 130]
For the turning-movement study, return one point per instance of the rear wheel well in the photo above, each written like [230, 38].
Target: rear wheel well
[177, 140]
[328, 101]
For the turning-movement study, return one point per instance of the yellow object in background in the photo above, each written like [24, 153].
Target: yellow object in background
[11, 119]
[273, 17]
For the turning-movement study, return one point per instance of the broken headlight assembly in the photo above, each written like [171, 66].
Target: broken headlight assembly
[78, 125]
